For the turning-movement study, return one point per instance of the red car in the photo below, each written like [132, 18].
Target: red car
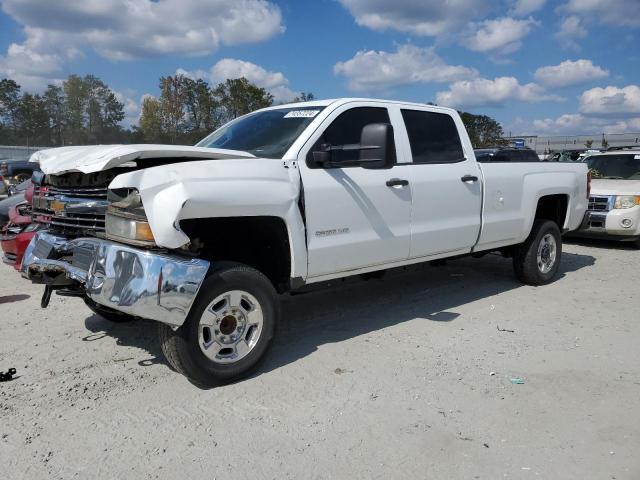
[18, 232]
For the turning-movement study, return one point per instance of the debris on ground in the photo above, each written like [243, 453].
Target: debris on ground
[505, 329]
[517, 380]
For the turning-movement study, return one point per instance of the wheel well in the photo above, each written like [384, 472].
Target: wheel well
[260, 242]
[554, 208]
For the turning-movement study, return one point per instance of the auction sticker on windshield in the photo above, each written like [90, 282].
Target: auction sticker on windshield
[302, 114]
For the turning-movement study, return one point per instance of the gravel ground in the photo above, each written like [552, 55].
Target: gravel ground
[405, 377]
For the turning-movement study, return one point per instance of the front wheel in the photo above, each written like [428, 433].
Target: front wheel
[536, 261]
[228, 330]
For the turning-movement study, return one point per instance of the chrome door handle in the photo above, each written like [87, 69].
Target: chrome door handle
[397, 182]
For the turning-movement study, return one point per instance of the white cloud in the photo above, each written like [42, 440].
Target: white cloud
[571, 30]
[375, 70]
[502, 35]
[523, 8]
[612, 12]
[570, 73]
[418, 17]
[274, 82]
[126, 29]
[497, 92]
[611, 101]
[131, 106]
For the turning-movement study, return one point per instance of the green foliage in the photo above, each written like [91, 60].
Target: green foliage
[187, 110]
[151, 121]
[84, 110]
[588, 143]
[304, 97]
[483, 130]
[239, 96]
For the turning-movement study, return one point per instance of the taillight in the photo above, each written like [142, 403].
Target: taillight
[588, 184]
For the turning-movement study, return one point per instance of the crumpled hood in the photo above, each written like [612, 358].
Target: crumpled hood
[615, 187]
[95, 158]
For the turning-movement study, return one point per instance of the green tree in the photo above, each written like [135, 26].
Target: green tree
[53, 98]
[9, 104]
[172, 99]
[238, 97]
[202, 109]
[151, 120]
[75, 97]
[483, 130]
[588, 143]
[605, 143]
[304, 97]
[32, 120]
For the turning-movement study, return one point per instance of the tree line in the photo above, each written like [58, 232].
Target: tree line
[85, 110]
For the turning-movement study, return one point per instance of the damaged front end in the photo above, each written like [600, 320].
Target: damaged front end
[146, 284]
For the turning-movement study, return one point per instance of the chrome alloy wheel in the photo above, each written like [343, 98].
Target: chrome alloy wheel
[546, 253]
[230, 327]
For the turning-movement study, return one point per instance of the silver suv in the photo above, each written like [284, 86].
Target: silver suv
[614, 202]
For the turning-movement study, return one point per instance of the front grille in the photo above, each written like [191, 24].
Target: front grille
[71, 210]
[79, 192]
[601, 203]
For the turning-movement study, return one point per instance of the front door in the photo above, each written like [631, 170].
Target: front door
[356, 217]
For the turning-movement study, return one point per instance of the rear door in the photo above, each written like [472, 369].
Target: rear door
[446, 186]
[355, 217]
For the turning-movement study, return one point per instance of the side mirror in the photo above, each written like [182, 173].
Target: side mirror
[377, 146]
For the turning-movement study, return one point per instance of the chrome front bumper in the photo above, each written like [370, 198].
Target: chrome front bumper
[145, 284]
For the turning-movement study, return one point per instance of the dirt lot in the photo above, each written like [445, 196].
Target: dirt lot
[406, 377]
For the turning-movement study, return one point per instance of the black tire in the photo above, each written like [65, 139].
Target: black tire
[182, 347]
[108, 313]
[525, 258]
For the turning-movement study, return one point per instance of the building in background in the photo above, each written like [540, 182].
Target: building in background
[543, 144]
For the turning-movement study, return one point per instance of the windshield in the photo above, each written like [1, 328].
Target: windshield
[266, 134]
[617, 167]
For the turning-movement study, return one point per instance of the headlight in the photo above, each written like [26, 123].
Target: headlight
[626, 201]
[126, 220]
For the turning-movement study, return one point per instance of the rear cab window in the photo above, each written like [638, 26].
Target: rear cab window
[433, 137]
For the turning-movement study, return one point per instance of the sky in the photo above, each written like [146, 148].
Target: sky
[537, 66]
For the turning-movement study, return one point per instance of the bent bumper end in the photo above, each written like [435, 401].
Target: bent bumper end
[137, 282]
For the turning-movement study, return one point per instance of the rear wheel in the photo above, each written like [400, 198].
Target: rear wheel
[229, 328]
[108, 313]
[536, 261]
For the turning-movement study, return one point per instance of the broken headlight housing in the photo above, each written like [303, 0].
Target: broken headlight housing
[126, 220]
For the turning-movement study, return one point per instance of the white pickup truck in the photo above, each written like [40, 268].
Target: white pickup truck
[203, 239]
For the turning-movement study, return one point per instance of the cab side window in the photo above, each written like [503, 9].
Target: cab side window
[433, 137]
[346, 130]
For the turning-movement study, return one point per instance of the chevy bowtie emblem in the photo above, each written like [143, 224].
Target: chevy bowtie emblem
[57, 206]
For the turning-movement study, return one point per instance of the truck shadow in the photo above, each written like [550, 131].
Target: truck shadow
[355, 307]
